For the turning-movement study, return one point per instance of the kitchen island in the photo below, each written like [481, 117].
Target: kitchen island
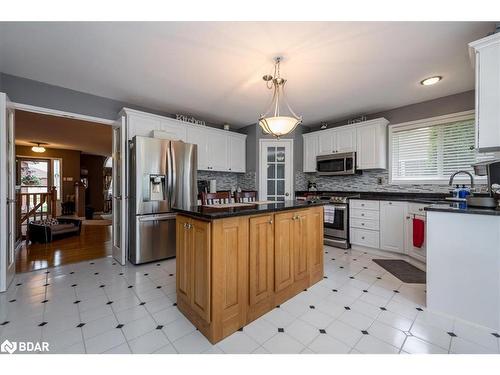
[235, 264]
[463, 262]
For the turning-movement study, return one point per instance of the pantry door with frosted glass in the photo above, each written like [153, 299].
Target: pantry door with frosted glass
[276, 170]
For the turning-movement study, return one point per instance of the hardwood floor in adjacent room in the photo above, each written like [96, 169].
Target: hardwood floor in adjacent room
[93, 242]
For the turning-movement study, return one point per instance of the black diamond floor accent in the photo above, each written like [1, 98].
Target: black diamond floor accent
[5, 323]
[334, 290]
[121, 274]
[91, 262]
[278, 306]
[351, 277]
[396, 291]
[19, 284]
[364, 332]
[383, 309]
[45, 301]
[281, 330]
[72, 272]
[312, 307]
[347, 307]
[46, 284]
[333, 258]
[323, 331]
[47, 271]
[175, 304]
[96, 273]
[12, 300]
[158, 264]
[142, 303]
[496, 335]
[73, 285]
[365, 291]
[77, 302]
[379, 278]
[158, 287]
[341, 267]
[80, 325]
[120, 325]
[159, 327]
[109, 303]
[130, 286]
[170, 274]
[146, 274]
[102, 286]
[325, 277]
[419, 309]
[305, 290]
[42, 324]
[240, 329]
[365, 268]
[451, 334]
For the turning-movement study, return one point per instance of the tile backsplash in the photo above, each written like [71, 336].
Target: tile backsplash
[367, 181]
[228, 181]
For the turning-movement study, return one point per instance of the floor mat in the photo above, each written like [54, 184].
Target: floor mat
[403, 270]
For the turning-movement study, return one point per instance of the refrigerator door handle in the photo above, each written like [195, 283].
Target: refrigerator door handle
[170, 175]
[157, 217]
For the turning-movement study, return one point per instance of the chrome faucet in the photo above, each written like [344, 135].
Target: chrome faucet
[467, 173]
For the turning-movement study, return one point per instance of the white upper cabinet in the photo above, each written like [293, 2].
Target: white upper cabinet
[311, 147]
[218, 150]
[237, 154]
[393, 226]
[371, 145]
[368, 139]
[486, 53]
[345, 140]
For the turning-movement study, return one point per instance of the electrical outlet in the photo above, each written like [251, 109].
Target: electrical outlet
[380, 180]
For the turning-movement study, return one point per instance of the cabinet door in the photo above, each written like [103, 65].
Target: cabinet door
[488, 96]
[230, 274]
[142, 125]
[199, 137]
[311, 146]
[315, 243]
[183, 259]
[261, 256]
[201, 267]
[237, 154]
[413, 251]
[345, 140]
[218, 151]
[371, 147]
[174, 130]
[393, 226]
[326, 142]
[283, 250]
[300, 246]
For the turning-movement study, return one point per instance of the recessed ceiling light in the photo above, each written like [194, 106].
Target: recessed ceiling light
[431, 80]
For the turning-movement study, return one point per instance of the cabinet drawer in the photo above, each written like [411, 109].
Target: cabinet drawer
[417, 208]
[364, 214]
[365, 205]
[363, 237]
[365, 224]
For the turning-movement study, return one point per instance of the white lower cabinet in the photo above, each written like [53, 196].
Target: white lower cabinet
[386, 225]
[393, 225]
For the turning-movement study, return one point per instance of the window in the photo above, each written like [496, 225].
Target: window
[429, 151]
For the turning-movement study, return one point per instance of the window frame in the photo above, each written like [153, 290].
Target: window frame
[427, 122]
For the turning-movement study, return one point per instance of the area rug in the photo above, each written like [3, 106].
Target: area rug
[97, 222]
[403, 270]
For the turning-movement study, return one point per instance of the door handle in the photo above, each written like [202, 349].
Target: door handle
[286, 194]
[270, 221]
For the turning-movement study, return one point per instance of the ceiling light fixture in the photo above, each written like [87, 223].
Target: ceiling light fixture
[38, 148]
[431, 80]
[279, 119]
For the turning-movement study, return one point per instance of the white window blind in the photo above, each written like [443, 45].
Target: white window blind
[430, 153]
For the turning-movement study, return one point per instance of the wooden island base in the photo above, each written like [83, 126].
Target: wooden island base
[232, 270]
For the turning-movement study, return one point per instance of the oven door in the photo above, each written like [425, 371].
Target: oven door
[336, 164]
[336, 225]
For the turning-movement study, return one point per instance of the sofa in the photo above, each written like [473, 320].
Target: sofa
[44, 231]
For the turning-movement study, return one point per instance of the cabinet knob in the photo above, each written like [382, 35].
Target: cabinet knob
[362, 204]
[363, 237]
[390, 202]
[362, 214]
[270, 221]
[363, 224]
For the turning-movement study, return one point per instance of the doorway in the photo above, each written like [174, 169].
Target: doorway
[276, 169]
[63, 213]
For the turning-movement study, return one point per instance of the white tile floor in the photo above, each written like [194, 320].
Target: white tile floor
[101, 307]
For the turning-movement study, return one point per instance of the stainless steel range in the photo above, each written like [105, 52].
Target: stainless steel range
[336, 219]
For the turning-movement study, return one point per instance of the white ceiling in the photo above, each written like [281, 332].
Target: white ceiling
[214, 69]
[63, 133]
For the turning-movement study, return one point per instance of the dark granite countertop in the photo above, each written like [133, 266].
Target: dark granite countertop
[426, 198]
[210, 213]
[462, 208]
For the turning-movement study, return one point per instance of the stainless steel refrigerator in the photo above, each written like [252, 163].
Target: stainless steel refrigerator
[162, 176]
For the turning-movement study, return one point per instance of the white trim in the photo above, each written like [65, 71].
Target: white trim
[289, 141]
[55, 112]
[431, 121]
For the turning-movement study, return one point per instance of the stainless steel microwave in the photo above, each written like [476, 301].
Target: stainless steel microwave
[342, 163]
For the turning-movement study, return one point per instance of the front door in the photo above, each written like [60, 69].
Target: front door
[276, 170]
[7, 194]
[119, 187]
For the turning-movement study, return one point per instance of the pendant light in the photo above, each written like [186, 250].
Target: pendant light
[279, 119]
[38, 148]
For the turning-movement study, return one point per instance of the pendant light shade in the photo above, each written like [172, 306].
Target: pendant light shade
[279, 119]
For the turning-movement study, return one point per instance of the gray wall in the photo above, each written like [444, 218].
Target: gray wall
[437, 107]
